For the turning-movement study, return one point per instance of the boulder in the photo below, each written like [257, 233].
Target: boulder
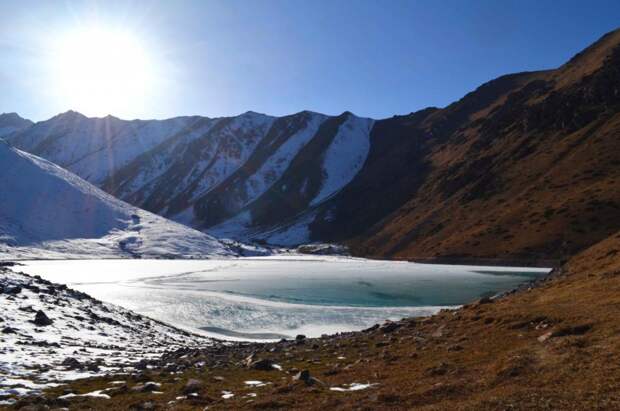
[42, 320]
[12, 289]
[263, 365]
[71, 363]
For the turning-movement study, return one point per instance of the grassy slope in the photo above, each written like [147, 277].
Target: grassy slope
[526, 167]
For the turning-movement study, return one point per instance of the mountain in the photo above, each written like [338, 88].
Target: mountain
[524, 167]
[207, 172]
[94, 148]
[11, 123]
[48, 212]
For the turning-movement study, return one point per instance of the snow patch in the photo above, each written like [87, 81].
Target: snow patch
[345, 156]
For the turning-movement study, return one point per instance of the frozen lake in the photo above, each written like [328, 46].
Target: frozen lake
[269, 297]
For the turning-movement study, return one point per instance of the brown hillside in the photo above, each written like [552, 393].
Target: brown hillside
[527, 166]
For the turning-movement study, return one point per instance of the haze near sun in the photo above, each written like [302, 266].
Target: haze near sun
[99, 70]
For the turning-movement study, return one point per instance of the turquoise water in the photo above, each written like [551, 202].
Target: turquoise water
[280, 295]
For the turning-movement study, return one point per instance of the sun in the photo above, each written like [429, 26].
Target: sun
[101, 71]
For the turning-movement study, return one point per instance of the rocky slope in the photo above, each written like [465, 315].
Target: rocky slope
[525, 167]
[48, 212]
[50, 334]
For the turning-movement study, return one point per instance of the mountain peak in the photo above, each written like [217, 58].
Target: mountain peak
[11, 123]
[70, 115]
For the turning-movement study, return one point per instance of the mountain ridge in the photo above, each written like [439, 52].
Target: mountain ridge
[408, 186]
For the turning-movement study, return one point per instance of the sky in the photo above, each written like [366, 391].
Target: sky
[224, 57]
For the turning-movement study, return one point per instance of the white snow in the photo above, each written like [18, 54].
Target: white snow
[276, 164]
[353, 387]
[83, 329]
[161, 160]
[48, 212]
[94, 148]
[345, 156]
[231, 147]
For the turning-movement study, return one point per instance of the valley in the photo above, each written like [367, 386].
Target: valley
[177, 263]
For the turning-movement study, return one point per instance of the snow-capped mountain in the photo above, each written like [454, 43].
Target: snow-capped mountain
[46, 211]
[94, 148]
[245, 177]
[12, 123]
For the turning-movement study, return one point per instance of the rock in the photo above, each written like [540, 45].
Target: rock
[146, 387]
[300, 339]
[93, 367]
[485, 300]
[42, 320]
[389, 327]
[9, 330]
[71, 363]
[305, 376]
[13, 290]
[263, 365]
[192, 386]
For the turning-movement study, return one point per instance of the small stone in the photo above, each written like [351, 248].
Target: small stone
[42, 320]
[485, 300]
[71, 363]
[146, 387]
[192, 386]
[264, 365]
[389, 327]
[303, 376]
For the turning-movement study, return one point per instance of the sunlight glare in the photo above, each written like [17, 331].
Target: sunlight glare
[99, 71]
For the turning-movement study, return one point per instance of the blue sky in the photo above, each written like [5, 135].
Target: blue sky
[375, 58]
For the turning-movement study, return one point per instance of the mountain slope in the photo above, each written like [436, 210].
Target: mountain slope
[530, 173]
[47, 212]
[12, 123]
